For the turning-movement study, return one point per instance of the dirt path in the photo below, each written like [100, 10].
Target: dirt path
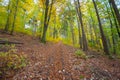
[49, 62]
[56, 61]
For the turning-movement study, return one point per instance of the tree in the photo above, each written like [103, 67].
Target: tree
[112, 33]
[15, 14]
[115, 21]
[104, 41]
[7, 22]
[79, 13]
[112, 2]
[46, 18]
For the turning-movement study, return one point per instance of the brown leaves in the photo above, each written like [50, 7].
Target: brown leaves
[56, 61]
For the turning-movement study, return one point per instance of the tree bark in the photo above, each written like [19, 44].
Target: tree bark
[72, 33]
[45, 22]
[104, 41]
[115, 21]
[112, 33]
[94, 29]
[79, 32]
[15, 15]
[7, 22]
[84, 40]
[112, 2]
[46, 19]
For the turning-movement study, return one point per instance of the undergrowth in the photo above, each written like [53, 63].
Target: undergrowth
[80, 54]
[11, 61]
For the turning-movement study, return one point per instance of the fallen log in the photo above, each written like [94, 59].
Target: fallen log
[9, 42]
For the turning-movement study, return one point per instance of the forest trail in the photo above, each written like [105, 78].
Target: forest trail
[56, 61]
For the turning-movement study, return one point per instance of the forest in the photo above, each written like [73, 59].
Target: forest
[59, 39]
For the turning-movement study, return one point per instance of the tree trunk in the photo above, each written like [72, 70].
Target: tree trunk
[72, 33]
[112, 2]
[115, 21]
[91, 34]
[7, 23]
[46, 20]
[85, 46]
[112, 33]
[15, 14]
[104, 41]
[79, 32]
[94, 29]
[54, 29]
[78, 10]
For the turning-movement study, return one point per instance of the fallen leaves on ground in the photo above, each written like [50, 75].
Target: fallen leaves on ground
[56, 61]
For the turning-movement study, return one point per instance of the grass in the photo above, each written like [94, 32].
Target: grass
[80, 54]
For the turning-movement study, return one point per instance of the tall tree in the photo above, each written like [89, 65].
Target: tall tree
[112, 2]
[71, 20]
[7, 22]
[115, 21]
[46, 18]
[104, 40]
[84, 41]
[79, 33]
[15, 15]
[112, 33]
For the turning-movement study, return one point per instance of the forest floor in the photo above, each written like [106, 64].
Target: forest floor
[56, 61]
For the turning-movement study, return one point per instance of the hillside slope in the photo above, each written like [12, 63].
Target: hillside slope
[56, 61]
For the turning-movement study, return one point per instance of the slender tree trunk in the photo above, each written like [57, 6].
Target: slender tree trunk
[72, 33]
[54, 29]
[15, 14]
[7, 23]
[91, 34]
[46, 19]
[112, 33]
[97, 41]
[41, 24]
[115, 21]
[24, 17]
[94, 29]
[84, 40]
[45, 22]
[104, 41]
[79, 32]
[112, 2]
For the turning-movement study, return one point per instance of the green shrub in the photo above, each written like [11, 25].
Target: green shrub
[80, 54]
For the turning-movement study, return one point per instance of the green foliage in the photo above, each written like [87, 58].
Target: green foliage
[81, 54]
[11, 60]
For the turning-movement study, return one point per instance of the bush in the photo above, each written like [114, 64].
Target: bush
[11, 61]
[80, 54]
